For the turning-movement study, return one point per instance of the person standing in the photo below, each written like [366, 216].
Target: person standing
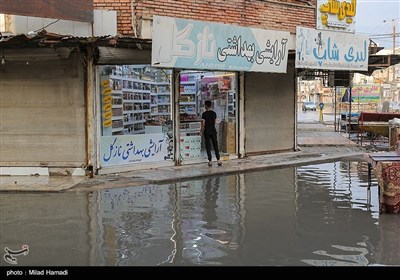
[209, 132]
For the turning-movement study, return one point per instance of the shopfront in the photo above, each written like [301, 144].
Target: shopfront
[138, 118]
[150, 114]
[42, 112]
[264, 84]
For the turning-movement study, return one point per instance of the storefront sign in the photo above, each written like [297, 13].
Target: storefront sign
[317, 49]
[192, 44]
[106, 102]
[107, 123]
[107, 90]
[107, 115]
[127, 149]
[336, 15]
[364, 93]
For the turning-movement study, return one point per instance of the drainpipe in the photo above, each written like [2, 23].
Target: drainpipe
[89, 110]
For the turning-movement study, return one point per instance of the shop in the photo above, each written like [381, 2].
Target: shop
[142, 109]
[149, 114]
[265, 99]
[42, 111]
[138, 115]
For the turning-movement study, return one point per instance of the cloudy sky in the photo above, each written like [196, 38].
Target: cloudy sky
[374, 17]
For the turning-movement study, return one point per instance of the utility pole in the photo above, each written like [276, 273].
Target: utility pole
[394, 47]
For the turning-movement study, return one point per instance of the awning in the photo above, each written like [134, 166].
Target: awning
[118, 56]
[377, 61]
[107, 49]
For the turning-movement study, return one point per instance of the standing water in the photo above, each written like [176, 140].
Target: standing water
[319, 215]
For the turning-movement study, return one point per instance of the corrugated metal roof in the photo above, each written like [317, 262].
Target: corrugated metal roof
[46, 39]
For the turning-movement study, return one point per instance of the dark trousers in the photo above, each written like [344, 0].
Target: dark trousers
[211, 138]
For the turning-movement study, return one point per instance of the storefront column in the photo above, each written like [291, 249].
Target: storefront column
[89, 114]
[296, 87]
[175, 115]
[241, 128]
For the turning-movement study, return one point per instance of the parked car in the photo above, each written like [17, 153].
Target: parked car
[309, 105]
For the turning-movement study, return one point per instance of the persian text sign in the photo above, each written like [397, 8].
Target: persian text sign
[192, 44]
[128, 149]
[364, 93]
[317, 49]
[336, 15]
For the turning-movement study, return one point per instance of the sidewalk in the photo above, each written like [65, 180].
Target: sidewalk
[318, 143]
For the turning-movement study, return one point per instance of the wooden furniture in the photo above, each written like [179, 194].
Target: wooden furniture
[375, 123]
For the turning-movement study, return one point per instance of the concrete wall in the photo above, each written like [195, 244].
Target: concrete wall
[42, 113]
[269, 111]
[105, 23]
[280, 15]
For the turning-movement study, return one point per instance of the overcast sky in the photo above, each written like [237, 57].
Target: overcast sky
[370, 17]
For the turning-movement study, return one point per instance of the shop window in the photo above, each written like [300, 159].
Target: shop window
[136, 120]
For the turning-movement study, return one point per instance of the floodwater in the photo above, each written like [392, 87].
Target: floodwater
[318, 215]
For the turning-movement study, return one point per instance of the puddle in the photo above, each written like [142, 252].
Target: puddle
[320, 215]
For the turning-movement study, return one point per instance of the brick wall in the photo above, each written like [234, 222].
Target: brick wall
[265, 14]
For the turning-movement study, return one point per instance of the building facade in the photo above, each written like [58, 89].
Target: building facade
[69, 121]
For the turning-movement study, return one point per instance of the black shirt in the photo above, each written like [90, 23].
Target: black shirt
[209, 124]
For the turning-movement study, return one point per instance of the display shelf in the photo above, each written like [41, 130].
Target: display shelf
[161, 101]
[187, 103]
[231, 104]
[190, 139]
[187, 96]
[138, 94]
[190, 128]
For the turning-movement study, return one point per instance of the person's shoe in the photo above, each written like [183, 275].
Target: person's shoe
[209, 163]
[219, 163]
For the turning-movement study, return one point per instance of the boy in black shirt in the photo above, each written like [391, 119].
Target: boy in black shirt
[209, 132]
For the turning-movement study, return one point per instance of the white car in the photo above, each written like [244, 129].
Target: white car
[309, 105]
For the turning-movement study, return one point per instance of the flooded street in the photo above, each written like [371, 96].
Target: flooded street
[319, 215]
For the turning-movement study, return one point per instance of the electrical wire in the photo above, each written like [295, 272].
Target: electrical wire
[47, 25]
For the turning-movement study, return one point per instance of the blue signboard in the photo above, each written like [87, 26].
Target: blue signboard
[189, 44]
[320, 49]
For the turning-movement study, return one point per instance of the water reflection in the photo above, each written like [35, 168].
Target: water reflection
[312, 215]
[352, 256]
[54, 226]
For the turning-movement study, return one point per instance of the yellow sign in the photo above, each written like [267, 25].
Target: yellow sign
[107, 107]
[336, 14]
[107, 115]
[107, 91]
[107, 99]
[107, 123]
[105, 83]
